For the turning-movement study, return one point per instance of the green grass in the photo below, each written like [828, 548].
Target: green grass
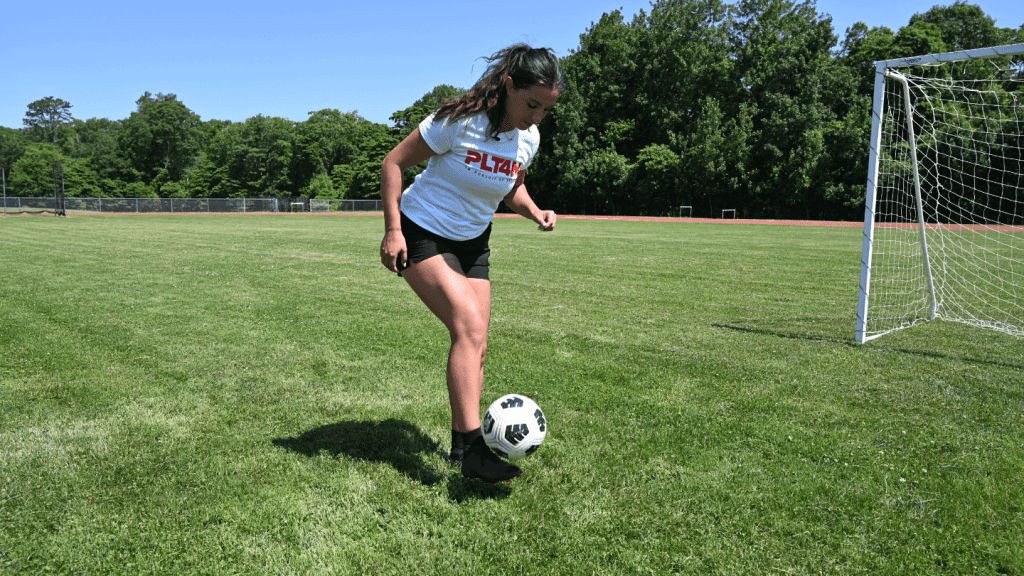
[257, 395]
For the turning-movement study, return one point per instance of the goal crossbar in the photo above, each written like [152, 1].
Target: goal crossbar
[990, 52]
[916, 198]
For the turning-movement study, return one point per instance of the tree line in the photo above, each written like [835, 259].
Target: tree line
[756, 106]
[164, 149]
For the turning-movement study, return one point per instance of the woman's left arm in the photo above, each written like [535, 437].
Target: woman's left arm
[520, 202]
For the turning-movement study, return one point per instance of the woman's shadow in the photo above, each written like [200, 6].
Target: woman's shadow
[396, 443]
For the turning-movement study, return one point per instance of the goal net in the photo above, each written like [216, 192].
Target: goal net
[58, 189]
[944, 220]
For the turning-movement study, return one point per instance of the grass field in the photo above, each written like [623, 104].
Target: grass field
[257, 395]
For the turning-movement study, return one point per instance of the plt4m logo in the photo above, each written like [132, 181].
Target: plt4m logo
[493, 164]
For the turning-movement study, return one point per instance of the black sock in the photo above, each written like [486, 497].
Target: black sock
[469, 437]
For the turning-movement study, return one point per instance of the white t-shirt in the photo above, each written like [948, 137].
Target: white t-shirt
[457, 195]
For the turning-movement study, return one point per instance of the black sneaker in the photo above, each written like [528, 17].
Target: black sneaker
[479, 463]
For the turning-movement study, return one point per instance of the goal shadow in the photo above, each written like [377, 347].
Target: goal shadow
[852, 343]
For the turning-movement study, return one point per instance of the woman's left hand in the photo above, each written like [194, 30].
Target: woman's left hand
[547, 221]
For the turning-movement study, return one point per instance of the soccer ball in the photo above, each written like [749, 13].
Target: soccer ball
[514, 426]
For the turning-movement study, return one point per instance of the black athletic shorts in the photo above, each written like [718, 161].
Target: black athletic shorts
[468, 257]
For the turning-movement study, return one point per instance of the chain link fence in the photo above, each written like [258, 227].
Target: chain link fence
[17, 204]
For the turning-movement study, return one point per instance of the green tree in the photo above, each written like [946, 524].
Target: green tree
[918, 38]
[960, 26]
[45, 117]
[96, 141]
[635, 94]
[837, 189]
[138, 190]
[606, 173]
[32, 174]
[250, 158]
[327, 138]
[405, 121]
[963, 26]
[80, 180]
[783, 57]
[861, 48]
[715, 160]
[361, 177]
[160, 140]
[12, 145]
[654, 180]
[320, 186]
[198, 180]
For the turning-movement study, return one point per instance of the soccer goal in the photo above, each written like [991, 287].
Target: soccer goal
[319, 205]
[944, 218]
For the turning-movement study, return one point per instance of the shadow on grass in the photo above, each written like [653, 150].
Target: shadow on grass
[397, 443]
[852, 343]
[460, 490]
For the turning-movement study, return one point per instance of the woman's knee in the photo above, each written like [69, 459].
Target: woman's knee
[470, 331]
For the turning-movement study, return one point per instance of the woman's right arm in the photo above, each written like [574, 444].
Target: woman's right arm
[410, 152]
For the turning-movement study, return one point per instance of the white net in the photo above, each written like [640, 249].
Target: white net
[962, 139]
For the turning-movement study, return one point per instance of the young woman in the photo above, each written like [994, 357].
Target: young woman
[436, 232]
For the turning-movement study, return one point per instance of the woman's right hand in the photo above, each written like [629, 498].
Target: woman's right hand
[393, 251]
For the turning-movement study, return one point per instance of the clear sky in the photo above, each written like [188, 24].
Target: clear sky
[231, 60]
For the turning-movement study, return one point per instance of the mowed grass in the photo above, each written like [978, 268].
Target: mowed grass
[257, 395]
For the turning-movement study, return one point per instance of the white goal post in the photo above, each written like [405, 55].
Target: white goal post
[944, 217]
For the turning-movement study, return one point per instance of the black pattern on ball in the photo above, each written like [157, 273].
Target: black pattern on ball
[512, 403]
[515, 433]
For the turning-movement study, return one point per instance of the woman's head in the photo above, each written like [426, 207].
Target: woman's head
[518, 88]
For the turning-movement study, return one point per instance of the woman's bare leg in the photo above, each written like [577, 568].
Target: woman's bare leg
[464, 306]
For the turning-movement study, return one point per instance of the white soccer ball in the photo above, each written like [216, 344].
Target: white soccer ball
[514, 426]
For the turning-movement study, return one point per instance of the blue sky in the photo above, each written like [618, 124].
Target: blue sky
[231, 60]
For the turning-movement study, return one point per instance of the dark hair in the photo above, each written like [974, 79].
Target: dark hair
[525, 65]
